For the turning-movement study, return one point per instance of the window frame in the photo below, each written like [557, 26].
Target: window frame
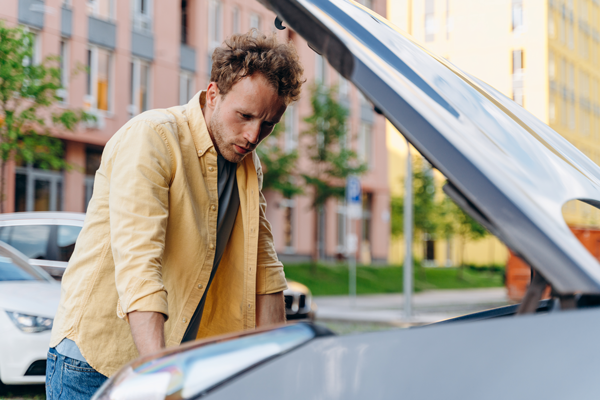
[93, 10]
[139, 17]
[134, 107]
[187, 78]
[91, 96]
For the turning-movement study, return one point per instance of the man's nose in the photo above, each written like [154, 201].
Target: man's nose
[252, 134]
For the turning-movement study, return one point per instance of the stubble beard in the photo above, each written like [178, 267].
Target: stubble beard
[225, 149]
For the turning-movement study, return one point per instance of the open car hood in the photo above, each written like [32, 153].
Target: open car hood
[505, 167]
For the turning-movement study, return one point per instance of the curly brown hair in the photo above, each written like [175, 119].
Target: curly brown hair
[242, 55]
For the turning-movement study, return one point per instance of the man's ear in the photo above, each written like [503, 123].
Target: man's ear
[212, 92]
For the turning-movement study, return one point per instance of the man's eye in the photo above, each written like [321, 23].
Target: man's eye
[246, 116]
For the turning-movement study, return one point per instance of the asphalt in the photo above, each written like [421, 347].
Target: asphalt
[429, 306]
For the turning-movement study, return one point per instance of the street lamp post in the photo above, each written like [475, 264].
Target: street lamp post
[408, 223]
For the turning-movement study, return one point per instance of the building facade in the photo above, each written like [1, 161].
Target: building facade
[544, 54]
[144, 54]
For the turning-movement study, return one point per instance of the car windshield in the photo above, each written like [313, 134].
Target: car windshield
[10, 271]
[42, 242]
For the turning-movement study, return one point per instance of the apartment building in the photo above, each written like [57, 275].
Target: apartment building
[544, 54]
[144, 54]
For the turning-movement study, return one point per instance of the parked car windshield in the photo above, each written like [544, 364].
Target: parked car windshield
[10, 271]
[42, 242]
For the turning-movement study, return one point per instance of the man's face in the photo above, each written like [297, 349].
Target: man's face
[240, 120]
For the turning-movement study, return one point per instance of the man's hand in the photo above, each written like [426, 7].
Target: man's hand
[148, 331]
[270, 309]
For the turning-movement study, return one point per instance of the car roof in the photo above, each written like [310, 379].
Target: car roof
[505, 167]
[35, 217]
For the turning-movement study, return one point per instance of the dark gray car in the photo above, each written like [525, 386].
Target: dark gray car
[508, 170]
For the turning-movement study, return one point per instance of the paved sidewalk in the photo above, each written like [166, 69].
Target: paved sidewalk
[429, 306]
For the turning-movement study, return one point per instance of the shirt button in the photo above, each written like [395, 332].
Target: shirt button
[184, 320]
[249, 305]
[213, 207]
[200, 286]
[211, 169]
[211, 246]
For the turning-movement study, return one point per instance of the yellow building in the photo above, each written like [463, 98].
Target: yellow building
[545, 54]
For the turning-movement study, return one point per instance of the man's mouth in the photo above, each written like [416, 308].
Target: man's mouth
[241, 150]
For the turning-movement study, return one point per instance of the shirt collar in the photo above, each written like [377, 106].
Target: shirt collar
[200, 134]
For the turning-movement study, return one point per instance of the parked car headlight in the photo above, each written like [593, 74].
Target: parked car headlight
[30, 323]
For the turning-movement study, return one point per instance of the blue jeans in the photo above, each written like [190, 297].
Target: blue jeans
[70, 379]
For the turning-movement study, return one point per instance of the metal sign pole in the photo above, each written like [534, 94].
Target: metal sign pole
[353, 213]
[352, 266]
[408, 224]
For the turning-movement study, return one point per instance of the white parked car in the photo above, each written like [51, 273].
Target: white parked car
[46, 238]
[28, 301]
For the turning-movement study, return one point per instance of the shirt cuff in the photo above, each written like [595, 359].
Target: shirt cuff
[154, 302]
[270, 279]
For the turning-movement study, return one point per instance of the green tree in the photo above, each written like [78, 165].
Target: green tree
[425, 207]
[434, 215]
[279, 166]
[331, 160]
[28, 92]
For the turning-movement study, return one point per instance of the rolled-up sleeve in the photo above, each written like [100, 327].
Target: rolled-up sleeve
[141, 168]
[270, 277]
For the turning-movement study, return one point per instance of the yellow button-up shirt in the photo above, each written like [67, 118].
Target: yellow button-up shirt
[149, 240]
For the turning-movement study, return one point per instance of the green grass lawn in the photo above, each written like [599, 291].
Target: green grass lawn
[333, 280]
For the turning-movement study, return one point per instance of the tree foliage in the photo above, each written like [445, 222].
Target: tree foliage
[434, 213]
[28, 92]
[331, 159]
[279, 166]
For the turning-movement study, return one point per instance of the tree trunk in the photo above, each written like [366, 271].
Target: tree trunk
[315, 255]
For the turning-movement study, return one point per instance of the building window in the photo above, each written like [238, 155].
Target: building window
[343, 87]
[517, 76]
[142, 15]
[551, 25]
[570, 34]
[367, 201]
[288, 206]
[255, 21]
[449, 20]
[320, 69]
[291, 129]
[186, 87]
[430, 23]
[64, 72]
[215, 24]
[236, 20]
[184, 21]
[139, 97]
[365, 147]
[215, 30]
[517, 15]
[93, 157]
[37, 47]
[102, 9]
[99, 79]
[38, 190]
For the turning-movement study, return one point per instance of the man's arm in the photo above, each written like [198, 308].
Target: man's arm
[148, 331]
[270, 309]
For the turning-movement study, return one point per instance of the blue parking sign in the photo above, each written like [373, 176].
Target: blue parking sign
[353, 190]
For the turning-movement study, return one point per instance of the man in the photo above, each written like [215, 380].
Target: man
[177, 209]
